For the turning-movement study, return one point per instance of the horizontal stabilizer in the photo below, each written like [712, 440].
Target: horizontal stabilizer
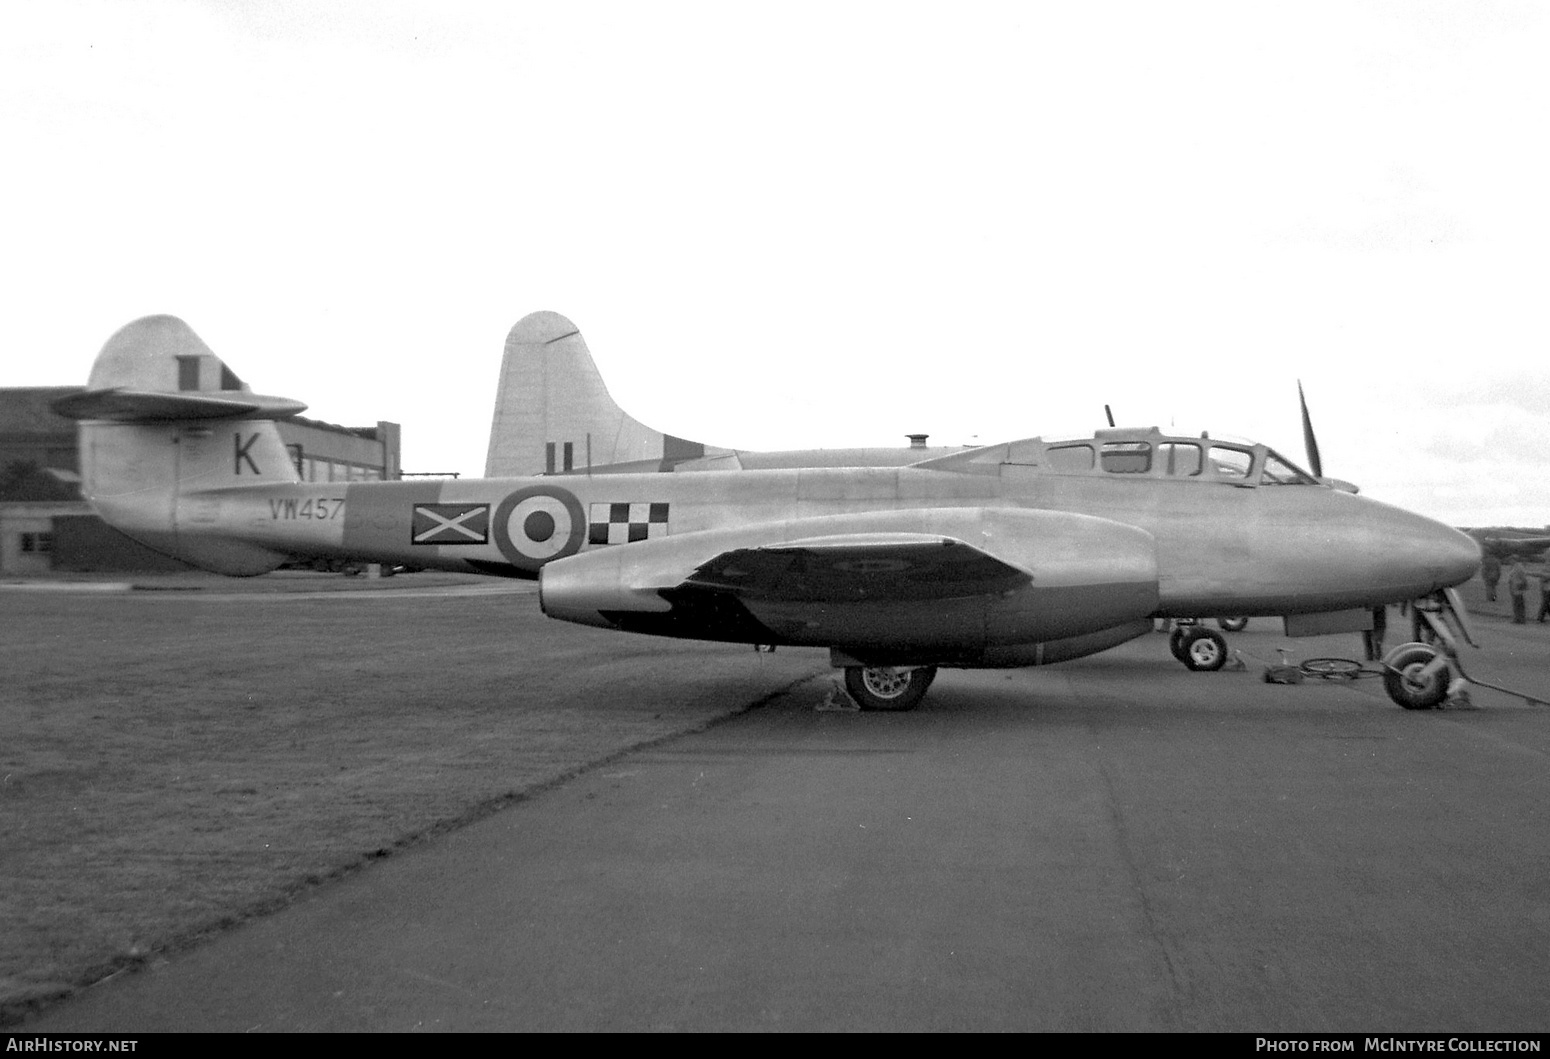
[156, 370]
[130, 406]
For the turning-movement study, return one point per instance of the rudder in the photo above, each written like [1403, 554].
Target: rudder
[554, 414]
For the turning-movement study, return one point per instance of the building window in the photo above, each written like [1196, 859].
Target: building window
[37, 543]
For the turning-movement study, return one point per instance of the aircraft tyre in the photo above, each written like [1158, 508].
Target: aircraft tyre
[1233, 624]
[887, 687]
[1403, 680]
[1205, 650]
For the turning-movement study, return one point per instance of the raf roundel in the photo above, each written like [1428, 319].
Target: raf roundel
[535, 525]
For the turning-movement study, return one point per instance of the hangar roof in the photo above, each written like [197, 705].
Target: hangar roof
[26, 410]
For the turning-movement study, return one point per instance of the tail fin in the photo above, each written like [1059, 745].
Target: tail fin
[165, 425]
[553, 413]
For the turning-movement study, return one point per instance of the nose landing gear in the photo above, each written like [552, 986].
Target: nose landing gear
[1419, 675]
[1414, 672]
[1416, 676]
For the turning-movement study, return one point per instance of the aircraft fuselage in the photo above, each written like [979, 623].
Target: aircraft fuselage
[1219, 546]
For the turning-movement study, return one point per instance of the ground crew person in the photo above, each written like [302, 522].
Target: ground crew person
[1517, 584]
[1372, 639]
[1490, 573]
[1544, 592]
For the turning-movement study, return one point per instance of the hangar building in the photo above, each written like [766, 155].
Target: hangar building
[45, 525]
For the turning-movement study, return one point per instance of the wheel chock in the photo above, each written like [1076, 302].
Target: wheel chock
[838, 700]
[1458, 696]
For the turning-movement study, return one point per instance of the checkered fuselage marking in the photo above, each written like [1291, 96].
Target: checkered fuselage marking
[613, 523]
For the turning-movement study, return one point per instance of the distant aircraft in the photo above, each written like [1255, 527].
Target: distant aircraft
[554, 415]
[1509, 542]
[1018, 554]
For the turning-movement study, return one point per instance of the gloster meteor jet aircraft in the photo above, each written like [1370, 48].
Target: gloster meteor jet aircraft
[1018, 554]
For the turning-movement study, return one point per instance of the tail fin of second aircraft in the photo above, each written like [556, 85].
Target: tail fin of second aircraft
[165, 427]
[553, 414]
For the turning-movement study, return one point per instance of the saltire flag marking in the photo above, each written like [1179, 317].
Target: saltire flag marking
[623, 523]
[450, 524]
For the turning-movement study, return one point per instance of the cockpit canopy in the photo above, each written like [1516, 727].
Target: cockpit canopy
[1145, 453]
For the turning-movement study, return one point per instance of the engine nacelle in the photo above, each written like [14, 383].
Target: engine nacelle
[1006, 656]
[1047, 576]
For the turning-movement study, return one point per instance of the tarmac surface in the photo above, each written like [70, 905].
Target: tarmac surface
[1109, 844]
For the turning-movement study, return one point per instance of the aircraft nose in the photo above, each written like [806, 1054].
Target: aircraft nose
[1455, 556]
[1412, 555]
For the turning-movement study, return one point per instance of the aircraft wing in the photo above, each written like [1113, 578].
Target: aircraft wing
[860, 567]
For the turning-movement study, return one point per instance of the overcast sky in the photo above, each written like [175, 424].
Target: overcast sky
[789, 225]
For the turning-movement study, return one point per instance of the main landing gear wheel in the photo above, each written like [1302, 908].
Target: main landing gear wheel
[1408, 680]
[1203, 650]
[1233, 624]
[888, 687]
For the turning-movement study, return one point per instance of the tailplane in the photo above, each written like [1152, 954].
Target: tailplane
[165, 428]
[554, 415]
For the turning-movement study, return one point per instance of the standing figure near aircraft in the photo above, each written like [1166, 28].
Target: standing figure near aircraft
[1517, 585]
[1372, 639]
[1544, 592]
[1490, 573]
